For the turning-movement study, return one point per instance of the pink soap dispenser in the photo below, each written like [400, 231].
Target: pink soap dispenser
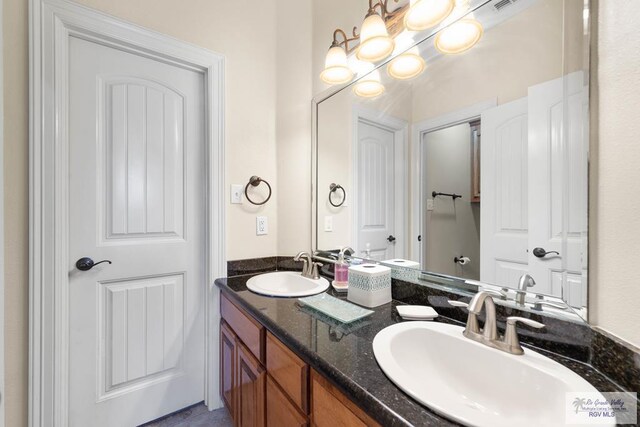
[341, 279]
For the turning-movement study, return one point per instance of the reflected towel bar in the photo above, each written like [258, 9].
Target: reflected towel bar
[453, 196]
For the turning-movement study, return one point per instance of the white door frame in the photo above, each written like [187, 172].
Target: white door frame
[400, 129]
[418, 130]
[52, 23]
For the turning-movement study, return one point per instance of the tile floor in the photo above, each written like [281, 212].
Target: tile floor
[194, 416]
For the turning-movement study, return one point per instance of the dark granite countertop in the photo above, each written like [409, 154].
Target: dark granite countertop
[344, 354]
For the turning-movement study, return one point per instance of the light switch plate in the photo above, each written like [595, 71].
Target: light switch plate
[429, 204]
[236, 193]
[262, 226]
[328, 223]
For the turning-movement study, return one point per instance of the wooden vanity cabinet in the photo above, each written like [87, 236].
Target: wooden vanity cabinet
[264, 383]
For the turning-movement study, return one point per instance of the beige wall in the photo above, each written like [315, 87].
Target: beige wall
[268, 93]
[293, 125]
[614, 299]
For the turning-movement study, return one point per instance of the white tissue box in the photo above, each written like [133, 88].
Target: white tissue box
[369, 285]
[403, 269]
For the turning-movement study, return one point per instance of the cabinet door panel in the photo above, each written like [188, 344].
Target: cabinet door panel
[280, 411]
[227, 367]
[250, 411]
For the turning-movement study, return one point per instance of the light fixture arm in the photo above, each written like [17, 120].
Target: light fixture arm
[345, 39]
[383, 5]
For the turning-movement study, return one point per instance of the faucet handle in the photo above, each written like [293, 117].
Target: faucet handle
[472, 320]
[515, 319]
[458, 303]
[511, 338]
[314, 270]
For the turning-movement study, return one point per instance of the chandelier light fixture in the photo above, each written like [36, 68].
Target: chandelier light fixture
[385, 33]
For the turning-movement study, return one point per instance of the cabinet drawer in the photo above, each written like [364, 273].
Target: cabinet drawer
[330, 408]
[250, 332]
[289, 371]
[280, 411]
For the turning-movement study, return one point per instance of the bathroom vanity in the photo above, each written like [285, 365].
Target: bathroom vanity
[282, 364]
[264, 382]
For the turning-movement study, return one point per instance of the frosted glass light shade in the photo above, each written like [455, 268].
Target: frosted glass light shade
[336, 69]
[425, 14]
[407, 62]
[406, 66]
[369, 86]
[459, 36]
[375, 43]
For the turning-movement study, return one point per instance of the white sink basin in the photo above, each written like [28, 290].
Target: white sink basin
[472, 383]
[286, 284]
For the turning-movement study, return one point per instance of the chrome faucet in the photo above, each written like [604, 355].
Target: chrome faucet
[526, 281]
[309, 268]
[488, 335]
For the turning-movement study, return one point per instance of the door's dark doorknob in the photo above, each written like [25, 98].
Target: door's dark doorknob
[86, 263]
[391, 239]
[541, 253]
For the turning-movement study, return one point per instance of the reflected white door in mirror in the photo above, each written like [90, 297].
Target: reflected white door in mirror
[375, 191]
[532, 191]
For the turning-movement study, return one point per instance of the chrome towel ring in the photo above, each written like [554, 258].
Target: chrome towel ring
[254, 181]
[332, 189]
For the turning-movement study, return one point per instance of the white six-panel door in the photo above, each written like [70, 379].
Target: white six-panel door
[504, 215]
[137, 198]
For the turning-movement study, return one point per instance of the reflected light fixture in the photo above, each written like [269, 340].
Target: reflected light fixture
[369, 85]
[423, 14]
[336, 68]
[375, 42]
[408, 63]
[460, 36]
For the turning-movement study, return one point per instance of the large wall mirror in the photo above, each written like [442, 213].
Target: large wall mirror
[475, 171]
